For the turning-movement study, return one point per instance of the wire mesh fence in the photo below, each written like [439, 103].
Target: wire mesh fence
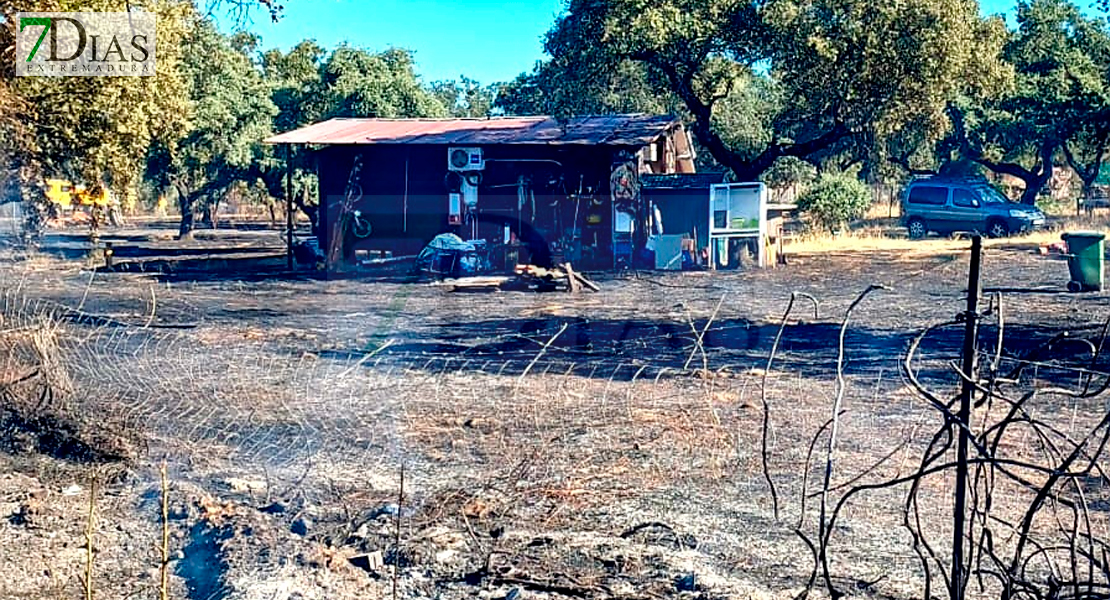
[560, 427]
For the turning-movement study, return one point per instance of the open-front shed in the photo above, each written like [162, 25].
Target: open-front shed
[528, 188]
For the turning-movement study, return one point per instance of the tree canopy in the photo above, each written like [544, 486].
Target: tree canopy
[231, 113]
[358, 83]
[466, 97]
[95, 129]
[1056, 103]
[310, 84]
[810, 74]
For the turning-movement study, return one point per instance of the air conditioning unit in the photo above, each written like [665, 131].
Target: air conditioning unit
[465, 159]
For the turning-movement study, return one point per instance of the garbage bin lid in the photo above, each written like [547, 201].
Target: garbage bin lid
[1083, 234]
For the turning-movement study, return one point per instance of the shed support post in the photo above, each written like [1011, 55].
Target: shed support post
[289, 206]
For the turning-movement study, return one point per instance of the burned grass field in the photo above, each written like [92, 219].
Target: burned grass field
[365, 438]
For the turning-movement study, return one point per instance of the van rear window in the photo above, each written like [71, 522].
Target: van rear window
[928, 195]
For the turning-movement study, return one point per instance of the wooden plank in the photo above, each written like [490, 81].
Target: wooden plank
[586, 282]
[573, 285]
[489, 283]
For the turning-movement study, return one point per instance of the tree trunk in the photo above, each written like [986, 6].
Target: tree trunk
[746, 169]
[1036, 183]
[1033, 189]
[1035, 179]
[300, 202]
[1088, 188]
[186, 202]
[1088, 173]
[211, 213]
[34, 206]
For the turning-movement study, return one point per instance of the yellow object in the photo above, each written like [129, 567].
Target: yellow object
[67, 196]
[98, 196]
[60, 192]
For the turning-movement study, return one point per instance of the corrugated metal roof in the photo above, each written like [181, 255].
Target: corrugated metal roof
[611, 130]
[680, 181]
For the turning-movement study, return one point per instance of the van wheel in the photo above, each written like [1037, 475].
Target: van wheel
[916, 228]
[997, 229]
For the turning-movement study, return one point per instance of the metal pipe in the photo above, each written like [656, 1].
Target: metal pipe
[539, 160]
[405, 211]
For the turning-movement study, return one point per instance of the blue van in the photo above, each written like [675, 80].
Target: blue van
[946, 206]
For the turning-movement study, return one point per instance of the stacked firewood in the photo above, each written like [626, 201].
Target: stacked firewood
[528, 277]
[561, 278]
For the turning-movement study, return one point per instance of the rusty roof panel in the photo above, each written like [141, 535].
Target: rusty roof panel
[610, 130]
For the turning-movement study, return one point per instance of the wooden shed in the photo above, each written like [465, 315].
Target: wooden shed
[388, 186]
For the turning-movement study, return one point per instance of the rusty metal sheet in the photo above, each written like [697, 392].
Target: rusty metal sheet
[611, 130]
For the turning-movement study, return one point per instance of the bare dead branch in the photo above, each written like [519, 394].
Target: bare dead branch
[766, 426]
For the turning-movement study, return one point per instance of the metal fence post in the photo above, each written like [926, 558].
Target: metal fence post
[967, 390]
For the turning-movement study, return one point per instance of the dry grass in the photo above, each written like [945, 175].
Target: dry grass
[42, 408]
[889, 237]
[874, 240]
[883, 210]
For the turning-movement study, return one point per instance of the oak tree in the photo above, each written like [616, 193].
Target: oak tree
[832, 69]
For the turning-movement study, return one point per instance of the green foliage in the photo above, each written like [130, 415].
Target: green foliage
[1059, 99]
[357, 83]
[759, 81]
[554, 88]
[90, 129]
[465, 97]
[745, 116]
[197, 126]
[767, 88]
[528, 94]
[294, 78]
[238, 101]
[834, 199]
[231, 114]
[308, 84]
[788, 171]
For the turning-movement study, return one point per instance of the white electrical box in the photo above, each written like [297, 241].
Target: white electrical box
[465, 159]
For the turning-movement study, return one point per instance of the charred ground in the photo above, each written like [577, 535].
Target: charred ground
[557, 445]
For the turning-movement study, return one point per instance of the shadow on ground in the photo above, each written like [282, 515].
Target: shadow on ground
[623, 350]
